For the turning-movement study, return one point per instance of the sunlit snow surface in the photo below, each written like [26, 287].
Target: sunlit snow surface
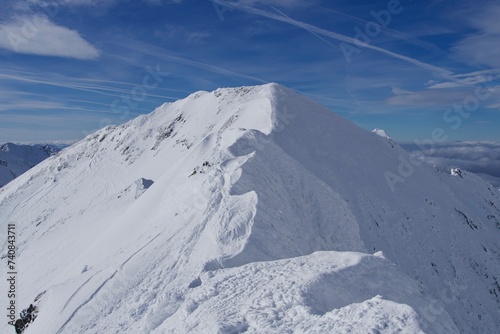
[251, 210]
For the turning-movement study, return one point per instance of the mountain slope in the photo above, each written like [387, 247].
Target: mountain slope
[17, 159]
[163, 224]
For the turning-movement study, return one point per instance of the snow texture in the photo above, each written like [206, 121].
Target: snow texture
[252, 210]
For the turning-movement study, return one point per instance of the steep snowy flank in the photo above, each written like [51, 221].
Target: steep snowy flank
[17, 159]
[251, 209]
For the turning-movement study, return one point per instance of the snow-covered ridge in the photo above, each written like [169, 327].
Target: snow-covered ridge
[177, 220]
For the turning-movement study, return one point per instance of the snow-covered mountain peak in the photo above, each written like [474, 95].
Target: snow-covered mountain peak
[5, 147]
[185, 219]
[381, 133]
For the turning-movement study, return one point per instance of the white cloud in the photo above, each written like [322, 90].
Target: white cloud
[477, 157]
[91, 3]
[481, 47]
[242, 5]
[431, 97]
[447, 96]
[278, 3]
[181, 34]
[37, 35]
[468, 79]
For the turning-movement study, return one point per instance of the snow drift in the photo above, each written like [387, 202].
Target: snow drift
[251, 210]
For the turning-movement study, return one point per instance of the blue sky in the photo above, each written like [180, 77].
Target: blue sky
[69, 67]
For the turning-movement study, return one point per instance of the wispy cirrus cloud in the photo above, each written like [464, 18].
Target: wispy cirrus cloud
[447, 97]
[74, 3]
[37, 35]
[320, 32]
[431, 97]
[467, 79]
[478, 48]
[166, 56]
[181, 34]
[95, 86]
[481, 47]
[277, 3]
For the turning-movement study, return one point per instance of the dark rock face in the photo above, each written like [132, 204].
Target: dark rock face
[27, 317]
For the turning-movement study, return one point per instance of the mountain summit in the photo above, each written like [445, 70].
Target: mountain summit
[254, 210]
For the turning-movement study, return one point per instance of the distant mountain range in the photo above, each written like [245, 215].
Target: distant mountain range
[17, 159]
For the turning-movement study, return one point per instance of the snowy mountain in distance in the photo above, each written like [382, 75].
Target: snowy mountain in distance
[16, 159]
[381, 133]
[251, 210]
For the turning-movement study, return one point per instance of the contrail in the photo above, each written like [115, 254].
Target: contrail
[162, 53]
[394, 33]
[311, 28]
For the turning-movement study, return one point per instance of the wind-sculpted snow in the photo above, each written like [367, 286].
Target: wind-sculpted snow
[325, 292]
[251, 209]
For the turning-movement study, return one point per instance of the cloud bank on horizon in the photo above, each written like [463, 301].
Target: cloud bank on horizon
[481, 158]
[69, 67]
